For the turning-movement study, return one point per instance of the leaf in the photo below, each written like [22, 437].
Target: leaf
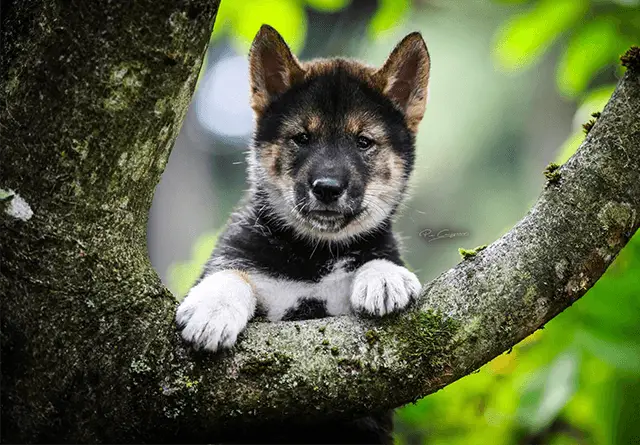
[226, 13]
[525, 37]
[390, 14]
[288, 17]
[549, 391]
[621, 354]
[328, 5]
[590, 49]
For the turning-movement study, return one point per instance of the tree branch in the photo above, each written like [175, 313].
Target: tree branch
[95, 97]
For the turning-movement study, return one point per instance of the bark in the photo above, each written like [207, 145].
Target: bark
[93, 97]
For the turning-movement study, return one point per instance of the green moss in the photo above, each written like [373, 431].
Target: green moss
[631, 59]
[335, 351]
[274, 364]
[424, 340]
[325, 342]
[139, 366]
[322, 329]
[470, 253]
[617, 220]
[372, 337]
[529, 295]
[615, 215]
[12, 84]
[125, 82]
[350, 364]
[552, 173]
[587, 126]
[188, 383]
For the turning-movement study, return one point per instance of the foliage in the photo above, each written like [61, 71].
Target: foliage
[593, 33]
[241, 20]
[576, 381]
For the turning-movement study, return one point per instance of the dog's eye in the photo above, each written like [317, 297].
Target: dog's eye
[364, 143]
[301, 138]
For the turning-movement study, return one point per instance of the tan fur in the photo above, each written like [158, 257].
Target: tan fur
[362, 123]
[406, 73]
[271, 156]
[314, 123]
[272, 67]
[389, 168]
[244, 276]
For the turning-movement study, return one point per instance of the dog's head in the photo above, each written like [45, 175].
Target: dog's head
[334, 141]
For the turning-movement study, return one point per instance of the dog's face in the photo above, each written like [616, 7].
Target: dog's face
[334, 143]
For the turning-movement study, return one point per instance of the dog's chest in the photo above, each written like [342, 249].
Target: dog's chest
[286, 299]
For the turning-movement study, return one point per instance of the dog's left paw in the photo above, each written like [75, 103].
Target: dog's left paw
[381, 287]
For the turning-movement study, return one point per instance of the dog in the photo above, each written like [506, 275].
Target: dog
[330, 160]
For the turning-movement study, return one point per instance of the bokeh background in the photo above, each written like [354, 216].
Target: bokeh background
[512, 83]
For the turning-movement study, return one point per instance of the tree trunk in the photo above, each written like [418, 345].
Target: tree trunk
[93, 97]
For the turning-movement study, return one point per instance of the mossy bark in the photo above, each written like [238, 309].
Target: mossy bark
[93, 97]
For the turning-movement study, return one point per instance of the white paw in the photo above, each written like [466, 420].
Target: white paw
[216, 310]
[381, 287]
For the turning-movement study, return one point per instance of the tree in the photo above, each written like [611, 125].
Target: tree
[93, 99]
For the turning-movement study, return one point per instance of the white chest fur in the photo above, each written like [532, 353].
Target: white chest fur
[219, 307]
[278, 295]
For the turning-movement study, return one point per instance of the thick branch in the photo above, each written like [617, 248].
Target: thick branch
[89, 347]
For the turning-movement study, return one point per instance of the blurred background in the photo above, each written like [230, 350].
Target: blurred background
[512, 82]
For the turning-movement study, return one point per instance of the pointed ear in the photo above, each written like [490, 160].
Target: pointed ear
[272, 68]
[405, 76]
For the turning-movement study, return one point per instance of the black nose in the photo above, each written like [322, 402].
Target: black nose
[328, 190]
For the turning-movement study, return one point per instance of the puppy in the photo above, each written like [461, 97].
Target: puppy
[332, 151]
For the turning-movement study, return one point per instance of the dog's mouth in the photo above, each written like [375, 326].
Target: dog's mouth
[326, 214]
[328, 220]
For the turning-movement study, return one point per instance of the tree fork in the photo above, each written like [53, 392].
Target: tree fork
[93, 97]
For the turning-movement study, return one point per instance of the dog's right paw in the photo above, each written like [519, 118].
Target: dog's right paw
[216, 310]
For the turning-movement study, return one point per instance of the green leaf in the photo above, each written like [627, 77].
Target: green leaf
[525, 37]
[226, 12]
[590, 49]
[390, 14]
[549, 391]
[288, 17]
[328, 5]
[621, 354]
